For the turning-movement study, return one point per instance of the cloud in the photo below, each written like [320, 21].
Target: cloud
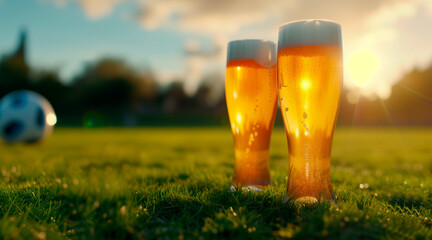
[211, 17]
[366, 24]
[94, 9]
[198, 59]
[374, 25]
[390, 14]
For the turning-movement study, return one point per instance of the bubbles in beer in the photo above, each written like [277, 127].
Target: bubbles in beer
[270, 93]
[282, 104]
[306, 129]
[286, 109]
[251, 139]
[304, 115]
[306, 159]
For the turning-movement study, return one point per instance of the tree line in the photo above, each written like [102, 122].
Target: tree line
[109, 92]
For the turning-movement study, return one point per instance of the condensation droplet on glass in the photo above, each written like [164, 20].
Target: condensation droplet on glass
[304, 115]
[256, 134]
[286, 109]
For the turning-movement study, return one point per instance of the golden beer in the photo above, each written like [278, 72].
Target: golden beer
[251, 96]
[309, 83]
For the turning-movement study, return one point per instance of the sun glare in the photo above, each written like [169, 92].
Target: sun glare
[362, 65]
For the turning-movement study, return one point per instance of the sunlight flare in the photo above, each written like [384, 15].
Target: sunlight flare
[362, 66]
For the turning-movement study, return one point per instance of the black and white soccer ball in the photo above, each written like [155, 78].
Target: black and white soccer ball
[25, 116]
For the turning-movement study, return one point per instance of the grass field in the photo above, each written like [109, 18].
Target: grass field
[173, 183]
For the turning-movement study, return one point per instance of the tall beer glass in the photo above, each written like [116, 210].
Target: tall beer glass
[310, 76]
[251, 96]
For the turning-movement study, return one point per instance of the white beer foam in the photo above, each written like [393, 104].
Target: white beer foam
[309, 32]
[262, 51]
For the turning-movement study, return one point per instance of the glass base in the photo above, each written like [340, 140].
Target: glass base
[308, 200]
[233, 188]
[309, 181]
[251, 168]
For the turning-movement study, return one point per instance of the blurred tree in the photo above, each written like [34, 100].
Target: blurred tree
[48, 84]
[201, 98]
[411, 99]
[14, 70]
[111, 86]
[173, 98]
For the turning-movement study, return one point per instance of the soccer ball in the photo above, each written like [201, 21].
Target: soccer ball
[25, 116]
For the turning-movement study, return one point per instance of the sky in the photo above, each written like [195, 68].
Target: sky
[187, 39]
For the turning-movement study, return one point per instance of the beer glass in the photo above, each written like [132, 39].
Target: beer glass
[310, 73]
[251, 97]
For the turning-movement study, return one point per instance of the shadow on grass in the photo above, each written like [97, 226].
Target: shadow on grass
[209, 211]
[75, 215]
[214, 212]
[193, 210]
[408, 202]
